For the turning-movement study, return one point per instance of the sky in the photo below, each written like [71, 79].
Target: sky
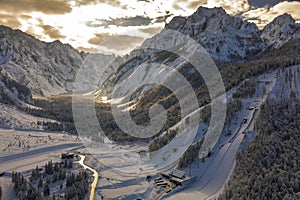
[118, 26]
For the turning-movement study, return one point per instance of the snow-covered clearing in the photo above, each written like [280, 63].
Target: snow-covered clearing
[10, 116]
[17, 141]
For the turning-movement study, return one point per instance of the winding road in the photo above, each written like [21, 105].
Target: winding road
[95, 175]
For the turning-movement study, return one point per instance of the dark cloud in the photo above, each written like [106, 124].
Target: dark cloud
[123, 21]
[259, 3]
[52, 32]
[44, 6]
[163, 18]
[117, 42]
[10, 20]
[151, 30]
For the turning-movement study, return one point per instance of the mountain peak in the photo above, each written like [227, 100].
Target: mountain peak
[285, 18]
[225, 37]
[282, 29]
[210, 11]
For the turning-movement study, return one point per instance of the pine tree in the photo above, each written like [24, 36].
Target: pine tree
[40, 183]
[46, 190]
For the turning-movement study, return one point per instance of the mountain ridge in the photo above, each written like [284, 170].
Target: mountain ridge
[50, 68]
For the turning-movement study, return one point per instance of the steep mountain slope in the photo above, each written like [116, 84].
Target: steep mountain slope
[280, 30]
[44, 68]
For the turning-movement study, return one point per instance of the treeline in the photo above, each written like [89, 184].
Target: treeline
[23, 93]
[232, 108]
[270, 167]
[74, 185]
[23, 189]
[162, 141]
[77, 185]
[190, 155]
[247, 89]
[56, 108]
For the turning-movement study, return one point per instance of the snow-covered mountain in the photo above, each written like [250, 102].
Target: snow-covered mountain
[44, 68]
[229, 38]
[51, 68]
[226, 38]
[281, 30]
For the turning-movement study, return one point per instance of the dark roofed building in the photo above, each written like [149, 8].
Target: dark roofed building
[177, 173]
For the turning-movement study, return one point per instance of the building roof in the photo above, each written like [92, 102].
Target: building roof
[177, 173]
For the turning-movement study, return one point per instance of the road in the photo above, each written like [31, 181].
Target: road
[28, 160]
[95, 175]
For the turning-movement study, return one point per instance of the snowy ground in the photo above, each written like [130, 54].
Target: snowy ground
[17, 141]
[7, 188]
[12, 117]
[115, 184]
[212, 175]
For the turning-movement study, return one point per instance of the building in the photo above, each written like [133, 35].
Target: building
[177, 173]
[67, 156]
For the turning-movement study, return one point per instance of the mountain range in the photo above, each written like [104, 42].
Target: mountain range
[33, 67]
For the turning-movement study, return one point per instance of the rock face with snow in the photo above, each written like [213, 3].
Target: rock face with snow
[226, 38]
[229, 38]
[44, 68]
[282, 29]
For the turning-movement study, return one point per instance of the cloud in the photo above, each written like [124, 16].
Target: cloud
[265, 15]
[87, 49]
[116, 42]
[52, 32]
[123, 21]
[99, 38]
[230, 6]
[147, 1]
[260, 3]
[151, 30]
[44, 6]
[176, 6]
[91, 2]
[10, 20]
[122, 42]
[30, 30]
[196, 4]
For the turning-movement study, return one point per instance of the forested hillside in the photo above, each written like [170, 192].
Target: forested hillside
[270, 167]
